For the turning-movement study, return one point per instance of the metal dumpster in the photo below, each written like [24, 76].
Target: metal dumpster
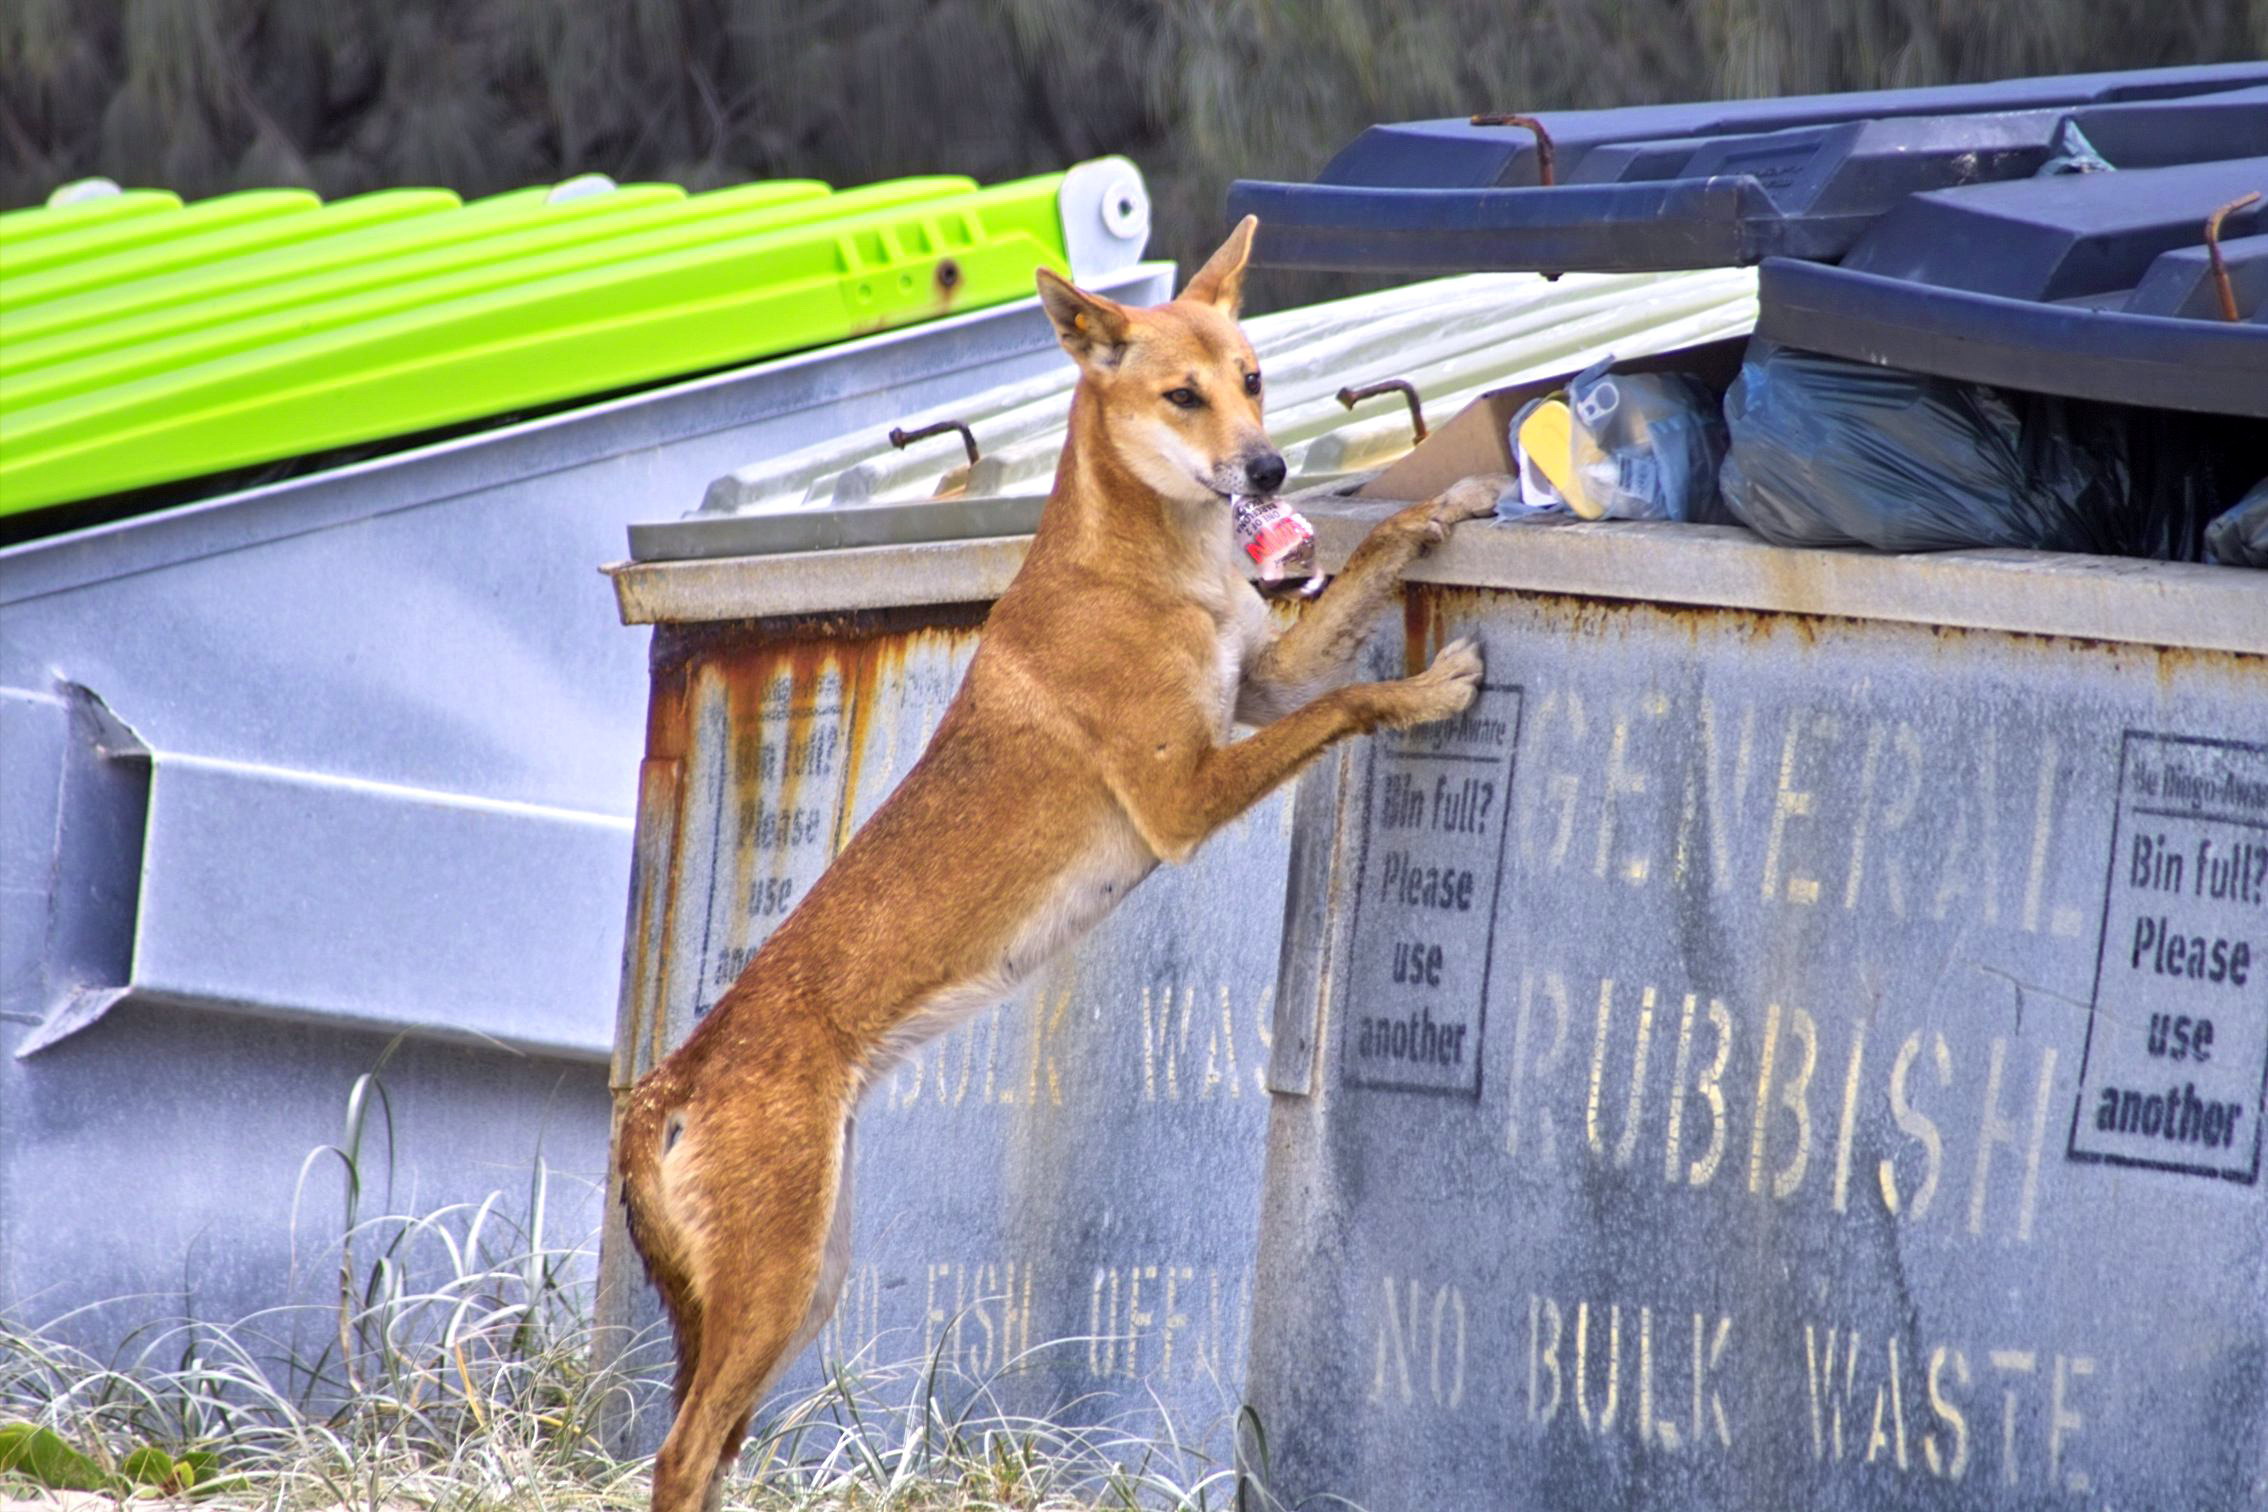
[1798, 1041]
[1752, 1059]
[1058, 1201]
[312, 767]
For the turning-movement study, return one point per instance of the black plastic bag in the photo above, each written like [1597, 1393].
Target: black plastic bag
[2239, 538]
[1828, 452]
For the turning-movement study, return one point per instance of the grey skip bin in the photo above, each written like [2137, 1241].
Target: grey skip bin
[1459, 1234]
[1797, 1042]
[301, 770]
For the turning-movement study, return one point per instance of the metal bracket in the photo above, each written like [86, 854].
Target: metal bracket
[101, 824]
[411, 886]
[1350, 397]
[901, 438]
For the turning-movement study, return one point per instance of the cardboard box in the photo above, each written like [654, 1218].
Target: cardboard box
[1478, 440]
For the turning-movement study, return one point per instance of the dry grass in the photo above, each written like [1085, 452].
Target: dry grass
[455, 1374]
[463, 1425]
[477, 1395]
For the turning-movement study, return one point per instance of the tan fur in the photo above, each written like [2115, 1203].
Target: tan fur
[1089, 741]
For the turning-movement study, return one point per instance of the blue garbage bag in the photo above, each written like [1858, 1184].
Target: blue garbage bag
[2239, 537]
[1829, 452]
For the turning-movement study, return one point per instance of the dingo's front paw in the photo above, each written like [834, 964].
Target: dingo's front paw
[1424, 526]
[1447, 687]
[1470, 499]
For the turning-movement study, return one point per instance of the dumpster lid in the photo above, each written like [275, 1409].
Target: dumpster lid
[2097, 286]
[1956, 255]
[1723, 182]
[144, 341]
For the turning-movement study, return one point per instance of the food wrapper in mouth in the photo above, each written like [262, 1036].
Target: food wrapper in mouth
[1276, 536]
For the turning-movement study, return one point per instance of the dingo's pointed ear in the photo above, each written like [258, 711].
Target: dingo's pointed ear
[1220, 283]
[1092, 329]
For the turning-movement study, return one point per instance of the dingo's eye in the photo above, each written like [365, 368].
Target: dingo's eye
[1183, 398]
[1252, 384]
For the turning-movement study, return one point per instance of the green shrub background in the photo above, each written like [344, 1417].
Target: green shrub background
[480, 95]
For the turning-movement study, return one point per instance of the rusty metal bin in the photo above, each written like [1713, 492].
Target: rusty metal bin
[1797, 1042]
[1058, 1200]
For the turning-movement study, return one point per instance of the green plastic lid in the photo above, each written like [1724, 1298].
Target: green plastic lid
[144, 341]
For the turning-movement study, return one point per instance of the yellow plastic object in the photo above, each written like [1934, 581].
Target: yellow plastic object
[21, 228]
[208, 247]
[1547, 438]
[315, 270]
[109, 237]
[170, 343]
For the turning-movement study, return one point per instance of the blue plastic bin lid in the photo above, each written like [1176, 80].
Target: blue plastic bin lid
[1956, 256]
[1720, 183]
[2095, 285]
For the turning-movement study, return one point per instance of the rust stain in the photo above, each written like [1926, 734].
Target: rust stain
[776, 679]
[764, 678]
[861, 691]
[1418, 606]
[805, 667]
[877, 654]
[741, 750]
[803, 674]
[667, 867]
[656, 865]
[668, 726]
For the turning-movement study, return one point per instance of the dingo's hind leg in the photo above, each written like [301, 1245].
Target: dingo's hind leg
[768, 1191]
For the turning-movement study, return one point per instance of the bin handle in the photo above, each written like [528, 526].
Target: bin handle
[1546, 170]
[901, 439]
[1350, 397]
[2213, 251]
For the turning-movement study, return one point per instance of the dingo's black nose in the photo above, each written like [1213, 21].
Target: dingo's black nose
[1265, 473]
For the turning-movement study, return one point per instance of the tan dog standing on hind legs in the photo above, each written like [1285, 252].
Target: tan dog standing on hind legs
[1090, 741]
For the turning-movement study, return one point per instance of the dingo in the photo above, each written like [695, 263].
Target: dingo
[1089, 742]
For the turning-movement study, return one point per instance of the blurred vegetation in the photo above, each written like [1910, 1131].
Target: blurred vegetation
[480, 95]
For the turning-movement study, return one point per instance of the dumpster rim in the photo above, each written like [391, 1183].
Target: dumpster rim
[2116, 599]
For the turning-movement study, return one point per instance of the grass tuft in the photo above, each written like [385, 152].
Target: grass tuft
[465, 1421]
[453, 1372]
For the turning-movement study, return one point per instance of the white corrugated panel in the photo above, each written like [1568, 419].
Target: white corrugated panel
[1454, 338]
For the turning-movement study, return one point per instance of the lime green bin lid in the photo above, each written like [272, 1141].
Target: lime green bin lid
[146, 341]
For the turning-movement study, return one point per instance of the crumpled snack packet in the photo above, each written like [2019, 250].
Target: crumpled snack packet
[1276, 536]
